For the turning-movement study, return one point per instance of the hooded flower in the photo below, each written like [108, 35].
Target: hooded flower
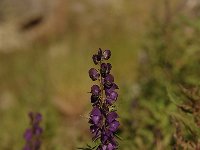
[93, 73]
[106, 54]
[105, 69]
[95, 116]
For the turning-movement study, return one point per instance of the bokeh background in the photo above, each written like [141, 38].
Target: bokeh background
[45, 54]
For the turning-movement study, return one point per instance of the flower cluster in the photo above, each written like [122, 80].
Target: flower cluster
[32, 135]
[103, 118]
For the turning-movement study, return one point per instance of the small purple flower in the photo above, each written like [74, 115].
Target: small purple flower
[95, 116]
[32, 135]
[113, 126]
[95, 59]
[95, 90]
[108, 81]
[109, 146]
[106, 54]
[99, 54]
[111, 116]
[112, 97]
[28, 134]
[110, 89]
[93, 73]
[103, 121]
[105, 69]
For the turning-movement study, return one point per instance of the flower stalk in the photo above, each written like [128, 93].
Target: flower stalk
[32, 135]
[103, 118]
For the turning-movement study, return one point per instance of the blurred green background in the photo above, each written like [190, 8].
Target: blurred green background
[45, 55]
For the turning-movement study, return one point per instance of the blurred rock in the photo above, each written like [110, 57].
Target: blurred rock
[27, 21]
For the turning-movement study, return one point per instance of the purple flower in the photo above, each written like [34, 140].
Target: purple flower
[111, 116]
[95, 116]
[105, 69]
[38, 118]
[111, 97]
[99, 54]
[103, 122]
[113, 126]
[38, 130]
[28, 134]
[109, 147]
[106, 54]
[95, 59]
[106, 135]
[93, 73]
[95, 90]
[108, 81]
[112, 88]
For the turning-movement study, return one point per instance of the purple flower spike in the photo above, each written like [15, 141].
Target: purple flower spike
[32, 135]
[106, 54]
[103, 120]
[93, 73]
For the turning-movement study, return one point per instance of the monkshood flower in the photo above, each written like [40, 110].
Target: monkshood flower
[32, 135]
[103, 118]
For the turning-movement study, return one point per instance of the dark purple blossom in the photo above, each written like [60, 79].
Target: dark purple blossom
[111, 97]
[95, 90]
[99, 54]
[103, 120]
[93, 73]
[105, 69]
[108, 81]
[95, 59]
[111, 116]
[28, 134]
[112, 88]
[32, 135]
[109, 146]
[106, 54]
[95, 116]
[113, 126]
